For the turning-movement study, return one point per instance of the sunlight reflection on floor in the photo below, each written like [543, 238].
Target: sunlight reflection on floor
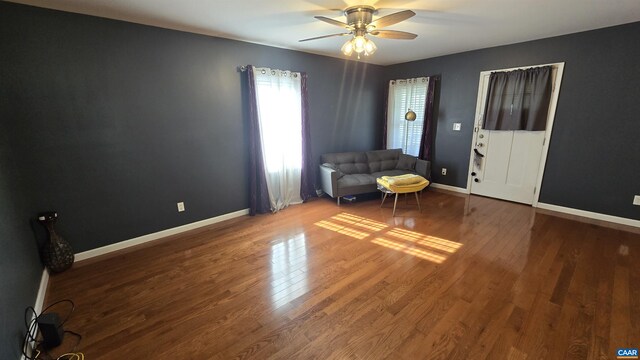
[289, 278]
[423, 254]
[427, 240]
[423, 246]
[342, 229]
[289, 262]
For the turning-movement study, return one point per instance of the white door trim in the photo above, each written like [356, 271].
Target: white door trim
[553, 104]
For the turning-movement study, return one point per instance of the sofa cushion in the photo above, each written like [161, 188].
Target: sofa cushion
[356, 179]
[406, 162]
[349, 162]
[380, 160]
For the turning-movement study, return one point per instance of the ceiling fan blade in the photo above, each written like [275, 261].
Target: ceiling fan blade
[332, 22]
[392, 19]
[393, 34]
[325, 36]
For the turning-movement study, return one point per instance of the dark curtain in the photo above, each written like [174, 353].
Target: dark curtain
[518, 100]
[386, 114]
[426, 142]
[258, 193]
[307, 188]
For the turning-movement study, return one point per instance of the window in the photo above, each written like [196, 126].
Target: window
[279, 107]
[405, 95]
[279, 114]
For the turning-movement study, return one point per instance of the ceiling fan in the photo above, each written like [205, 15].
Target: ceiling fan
[360, 23]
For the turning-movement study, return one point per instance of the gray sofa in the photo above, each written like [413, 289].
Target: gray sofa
[352, 173]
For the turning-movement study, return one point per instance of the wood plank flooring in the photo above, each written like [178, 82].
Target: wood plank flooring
[468, 278]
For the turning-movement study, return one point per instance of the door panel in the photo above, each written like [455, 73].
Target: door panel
[497, 153]
[510, 167]
[525, 158]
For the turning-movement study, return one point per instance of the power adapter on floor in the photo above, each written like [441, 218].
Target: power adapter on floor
[51, 330]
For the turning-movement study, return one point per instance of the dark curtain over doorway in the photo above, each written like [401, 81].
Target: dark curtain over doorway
[518, 100]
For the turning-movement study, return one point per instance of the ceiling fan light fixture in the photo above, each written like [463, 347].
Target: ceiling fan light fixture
[360, 23]
[370, 47]
[359, 43]
[347, 48]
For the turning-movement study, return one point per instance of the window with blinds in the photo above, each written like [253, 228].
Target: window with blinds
[405, 95]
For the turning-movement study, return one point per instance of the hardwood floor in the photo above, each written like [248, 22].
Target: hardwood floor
[468, 278]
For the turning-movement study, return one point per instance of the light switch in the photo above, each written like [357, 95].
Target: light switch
[457, 126]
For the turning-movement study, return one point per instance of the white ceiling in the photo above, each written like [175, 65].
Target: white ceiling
[443, 26]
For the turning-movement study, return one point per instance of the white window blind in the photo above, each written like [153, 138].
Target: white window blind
[404, 95]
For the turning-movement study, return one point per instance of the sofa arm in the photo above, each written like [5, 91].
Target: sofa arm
[423, 168]
[329, 180]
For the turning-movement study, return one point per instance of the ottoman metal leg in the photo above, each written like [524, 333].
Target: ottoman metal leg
[394, 205]
[418, 200]
[384, 196]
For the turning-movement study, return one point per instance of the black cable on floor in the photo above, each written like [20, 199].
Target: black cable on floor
[32, 327]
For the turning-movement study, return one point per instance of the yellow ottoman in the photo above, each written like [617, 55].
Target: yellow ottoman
[401, 184]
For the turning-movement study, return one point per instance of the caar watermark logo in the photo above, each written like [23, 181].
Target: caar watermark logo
[627, 353]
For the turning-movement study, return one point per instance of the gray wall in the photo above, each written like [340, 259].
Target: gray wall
[20, 268]
[594, 154]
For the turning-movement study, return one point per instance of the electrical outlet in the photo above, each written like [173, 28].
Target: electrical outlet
[457, 126]
[636, 200]
[180, 206]
[444, 171]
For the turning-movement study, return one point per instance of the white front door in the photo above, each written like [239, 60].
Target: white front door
[508, 164]
[509, 169]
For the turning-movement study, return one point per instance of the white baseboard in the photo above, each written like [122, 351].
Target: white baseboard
[157, 235]
[590, 215]
[560, 209]
[39, 304]
[42, 291]
[450, 188]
